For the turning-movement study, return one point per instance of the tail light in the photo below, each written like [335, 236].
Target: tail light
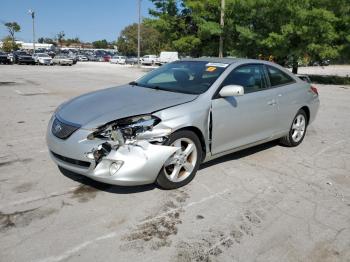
[314, 90]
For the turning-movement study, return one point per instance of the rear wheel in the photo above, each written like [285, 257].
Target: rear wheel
[297, 130]
[182, 166]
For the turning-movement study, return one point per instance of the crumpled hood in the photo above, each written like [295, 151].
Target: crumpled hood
[97, 108]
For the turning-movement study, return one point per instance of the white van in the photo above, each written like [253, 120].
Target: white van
[149, 60]
[167, 57]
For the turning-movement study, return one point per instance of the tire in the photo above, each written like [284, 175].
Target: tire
[297, 130]
[169, 177]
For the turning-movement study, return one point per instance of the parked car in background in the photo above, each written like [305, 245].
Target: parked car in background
[74, 58]
[161, 127]
[82, 58]
[304, 78]
[10, 56]
[92, 57]
[325, 62]
[21, 57]
[131, 60]
[100, 58]
[168, 57]
[149, 60]
[117, 60]
[42, 59]
[51, 54]
[4, 58]
[107, 58]
[62, 60]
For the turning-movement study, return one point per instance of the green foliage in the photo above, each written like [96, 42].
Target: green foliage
[102, 44]
[288, 30]
[8, 45]
[150, 43]
[12, 28]
[187, 44]
[47, 40]
[60, 37]
[70, 41]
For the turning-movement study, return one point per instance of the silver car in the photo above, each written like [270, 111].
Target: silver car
[62, 60]
[161, 127]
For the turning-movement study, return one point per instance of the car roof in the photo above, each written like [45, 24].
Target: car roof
[225, 60]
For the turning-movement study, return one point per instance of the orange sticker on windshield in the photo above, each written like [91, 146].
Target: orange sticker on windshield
[211, 69]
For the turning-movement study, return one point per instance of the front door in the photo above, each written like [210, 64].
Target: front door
[242, 120]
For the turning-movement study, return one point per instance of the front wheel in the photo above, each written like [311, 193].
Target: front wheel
[297, 130]
[182, 166]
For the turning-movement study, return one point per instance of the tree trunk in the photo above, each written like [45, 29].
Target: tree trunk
[295, 65]
[295, 69]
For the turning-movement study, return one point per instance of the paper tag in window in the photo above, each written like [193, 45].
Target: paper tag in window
[211, 69]
[217, 65]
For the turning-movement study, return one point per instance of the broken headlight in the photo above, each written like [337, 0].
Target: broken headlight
[126, 128]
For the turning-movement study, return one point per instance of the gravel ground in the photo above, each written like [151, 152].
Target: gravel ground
[267, 203]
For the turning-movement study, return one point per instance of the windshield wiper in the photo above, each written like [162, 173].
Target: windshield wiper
[133, 83]
[173, 90]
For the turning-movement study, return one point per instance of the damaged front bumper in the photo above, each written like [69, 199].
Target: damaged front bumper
[133, 163]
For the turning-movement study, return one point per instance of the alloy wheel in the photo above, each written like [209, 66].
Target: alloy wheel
[298, 128]
[180, 166]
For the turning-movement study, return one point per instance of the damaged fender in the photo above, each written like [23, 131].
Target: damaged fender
[138, 163]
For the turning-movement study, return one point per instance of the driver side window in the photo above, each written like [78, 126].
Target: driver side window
[251, 77]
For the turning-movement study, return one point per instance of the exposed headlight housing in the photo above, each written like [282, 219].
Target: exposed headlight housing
[125, 128]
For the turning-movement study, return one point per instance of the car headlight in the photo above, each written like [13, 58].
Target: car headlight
[126, 128]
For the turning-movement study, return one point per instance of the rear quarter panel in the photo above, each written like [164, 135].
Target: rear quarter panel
[291, 98]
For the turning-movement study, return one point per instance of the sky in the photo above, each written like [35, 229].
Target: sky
[89, 20]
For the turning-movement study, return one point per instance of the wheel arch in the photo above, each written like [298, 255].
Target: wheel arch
[307, 112]
[199, 134]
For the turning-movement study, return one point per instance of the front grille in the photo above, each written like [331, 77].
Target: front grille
[63, 130]
[71, 160]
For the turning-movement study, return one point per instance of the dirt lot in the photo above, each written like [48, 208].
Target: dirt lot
[268, 203]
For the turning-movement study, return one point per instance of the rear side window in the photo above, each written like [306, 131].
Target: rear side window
[251, 77]
[277, 77]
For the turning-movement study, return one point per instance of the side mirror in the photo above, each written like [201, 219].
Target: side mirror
[231, 90]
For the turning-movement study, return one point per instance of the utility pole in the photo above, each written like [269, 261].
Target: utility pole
[222, 15]
[32, 13]
[139, 33]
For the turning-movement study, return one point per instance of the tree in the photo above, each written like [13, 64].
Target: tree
[285, 29]
[206, 17]
[8, 45]
[288, 30]
[150, 40]
[60, 37]
[12, 28]
[47, 40]
[70, 41]
[102, 44]
[311, 32]
[41, 40]
[174, 22]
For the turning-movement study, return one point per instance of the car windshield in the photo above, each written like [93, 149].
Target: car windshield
[43, 55]
[190, 77]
